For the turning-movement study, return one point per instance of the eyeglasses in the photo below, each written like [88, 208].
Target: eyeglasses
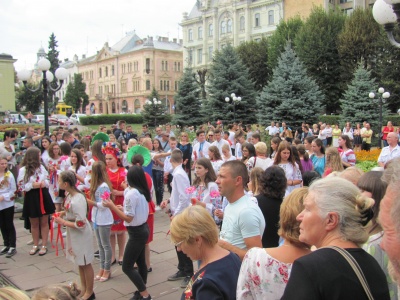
[210, 135]
[178, 244]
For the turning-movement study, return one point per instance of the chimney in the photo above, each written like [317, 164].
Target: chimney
[165, 39]
[84, 55]
[180, 41]
[174, 40]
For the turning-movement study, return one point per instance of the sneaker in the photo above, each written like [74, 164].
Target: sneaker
[136, 296]
[147, 298]
[4, 250]
[11, 252]
[158, 208]
[64, 234]
[177, 276]
[185, 282]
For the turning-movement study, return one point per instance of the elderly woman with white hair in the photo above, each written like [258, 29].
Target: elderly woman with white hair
[260, 160]
[334, 220]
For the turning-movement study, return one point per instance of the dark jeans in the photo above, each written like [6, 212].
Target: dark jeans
[7, 227]
[134, 253]
[365, 146]
[185, 264]
[169, 186]
[158, 181]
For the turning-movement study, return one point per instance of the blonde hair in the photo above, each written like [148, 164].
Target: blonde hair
[10, 293]
[352, 174]
[338, 195]
[261, 148]
[132, 142]
[99, 175]
[194, 221]
[255, 178]
[291, 207]
[226, 147]
[57, 292]
[333, 159]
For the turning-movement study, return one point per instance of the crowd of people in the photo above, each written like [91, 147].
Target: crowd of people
[288, 218]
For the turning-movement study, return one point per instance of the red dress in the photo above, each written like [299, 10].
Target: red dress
[152, 209]
[116, 179]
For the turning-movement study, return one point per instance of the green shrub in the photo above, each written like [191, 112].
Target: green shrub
[329, 119]
[367, 165]
[394, 118]
[111, 119]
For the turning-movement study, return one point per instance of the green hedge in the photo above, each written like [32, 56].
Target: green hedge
[394, 118]
[111, 119]
[330, 119]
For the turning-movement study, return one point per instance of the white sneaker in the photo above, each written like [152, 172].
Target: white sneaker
[158, 208]
[64, 234]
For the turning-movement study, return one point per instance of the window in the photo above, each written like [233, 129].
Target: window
[161, 85]
[176, 85]
[123, 87]
[210, 53]
[200, 32]
[112, 70]
[223, 27]
[148, 66]
[99, 72]
[210, 30]
[179, 66]
[124, 106]
[162, 65]
[199, 56]
[166, 66]
[175, 67]
[137, 106]
[241, 25]
[147, 85]
[91, 74]
[113, 107]
[101, 107]
[91, 91]
[257, 21]
[106, 71]
[348, 11]
[229, 26]
[190, 57]
[271, 20]
[190, 35]
[345, 1]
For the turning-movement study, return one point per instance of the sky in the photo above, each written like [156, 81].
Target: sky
[82, 26]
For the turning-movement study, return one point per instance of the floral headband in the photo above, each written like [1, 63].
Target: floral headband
[111, 148]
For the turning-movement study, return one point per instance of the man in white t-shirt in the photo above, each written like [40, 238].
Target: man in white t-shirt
[244, 223]
[272, 129]
[219, 141]
[391, 151]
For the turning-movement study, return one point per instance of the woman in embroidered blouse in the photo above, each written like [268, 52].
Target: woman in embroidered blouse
[284, 158]
[248, 152]
[38, 205]
[260, 160]
[135, 212]
[7, 150]
[265, 271]
[46, 141]
[346, 152]
[79, 241]
[102, 218]
[78, 168]
[206, 193]
[194, 233]
[53, 166]
[215, 158]
[7, 190]
[117, 175]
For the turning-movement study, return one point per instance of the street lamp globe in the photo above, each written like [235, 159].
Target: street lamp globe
[159, 102]
[226, 99]
[392, 1]
[24, 75]
[233, 95]
[61, 73]
[381, 90]
[372, 95]
[239, 99]
[386, 95]
[383, 13]
[44, 64]
[49, 76]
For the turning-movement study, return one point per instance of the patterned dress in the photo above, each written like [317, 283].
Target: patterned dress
[116, 179]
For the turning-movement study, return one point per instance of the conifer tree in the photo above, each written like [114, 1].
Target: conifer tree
[52, 56]
[187, 102]
[76, 95]
[229, 75]
[356, 104]
[154, 111]
[291, 96]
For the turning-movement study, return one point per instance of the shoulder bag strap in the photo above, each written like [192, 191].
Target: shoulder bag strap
[356, 268]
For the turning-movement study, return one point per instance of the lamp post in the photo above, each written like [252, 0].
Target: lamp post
[155, 103]
[381, 98]
[44, 66]
[387, 13]
[235, 101]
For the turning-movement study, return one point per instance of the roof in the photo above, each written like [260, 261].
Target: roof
[195, 12]
[126, 43]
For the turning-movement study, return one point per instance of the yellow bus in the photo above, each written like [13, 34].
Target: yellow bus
[63, 109]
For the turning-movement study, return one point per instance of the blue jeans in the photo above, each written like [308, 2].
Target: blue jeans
[158, 181]
[103, 233]
[135, 253]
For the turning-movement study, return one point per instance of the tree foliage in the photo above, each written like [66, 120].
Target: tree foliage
[76, 95]
[27, 100]
[52, 56]
[229, 75]
[291, 96]
[318, 50]
[154, 114]
[356, 104]
[254, 55]
[187, 102]
[285, 31]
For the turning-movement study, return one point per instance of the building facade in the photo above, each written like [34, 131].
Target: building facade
[72, 67]
[7, 82]
[212, 24]
[119, 79]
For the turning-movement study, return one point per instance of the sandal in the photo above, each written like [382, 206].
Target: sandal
[34, 250]
[43, 251]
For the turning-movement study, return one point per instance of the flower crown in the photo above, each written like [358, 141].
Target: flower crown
[111, 148]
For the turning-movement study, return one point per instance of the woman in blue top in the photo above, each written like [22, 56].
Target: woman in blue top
[134, 213]
[318, 156]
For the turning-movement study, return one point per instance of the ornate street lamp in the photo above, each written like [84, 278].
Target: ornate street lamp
[155, 103]
[46, 82]
[387, 13]
[235, 101]
[382, 96]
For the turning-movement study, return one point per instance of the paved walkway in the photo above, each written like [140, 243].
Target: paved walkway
[31, 272]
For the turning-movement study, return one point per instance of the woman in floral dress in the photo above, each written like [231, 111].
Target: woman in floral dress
[265, 272]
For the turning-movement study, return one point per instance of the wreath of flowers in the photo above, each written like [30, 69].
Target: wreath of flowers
[111, 148]
[4, 182]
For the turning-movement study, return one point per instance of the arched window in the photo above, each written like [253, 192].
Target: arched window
[113, 107]
[210, 30]
[229, 27]
[223, 27]
[242, 23]
[106, 71]
[136, 107]
[200, 33]
[257, 20]
[112, 70]
[100, 72]
[124, 106]
[190, 35]
[100, 107]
